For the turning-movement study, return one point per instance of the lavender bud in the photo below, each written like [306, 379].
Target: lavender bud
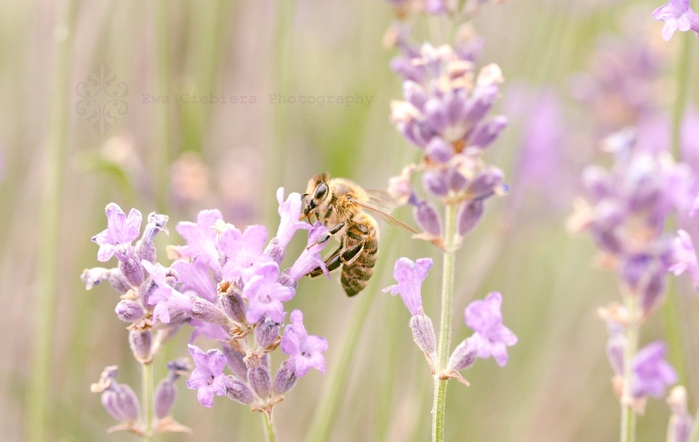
[141, 342]
[275, 251]
[94, 276]
[285, 378]
[680, 426]
[259, 381]
[485, 184]
[470, 213]
[464, 355]
[149, 287]
[427, 217]
[652, 292]
[482, 102]
[145, 249]
[434, 183]
[231, 301]
[121, 402]
[235, 361]
[287, 280]
[439, 150]
[239, 392]
[616, 346]
[485, 134]
[128, 311]
[165, 395]
[456, 181]
[118, 281]
[131, 268]
[206, 311]
[423, 333]
[267, 332]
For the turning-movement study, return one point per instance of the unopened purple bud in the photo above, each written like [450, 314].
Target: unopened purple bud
[456, 181]
[94, 276]
[239, 392]
[486, 183]
[275, 251]
[149, 287]
[118, 281]
[426, 215]
[434, 183]
[681, 422]
[165, 395]
[423, 333]
[156, 223]
[208, 312]
[141, 342]
[287, 280]
[121, 402]
[235, 361]
[484, 135]
[616, 346]
[267, 332]
[598, 181]
[652, 292]
[285, 378]
[439, 151]
[483, 100]
[464, 355]
[470, 213]
[415, 94]
[259, 381]
[231, 301]
[129, 311]
[131, 268]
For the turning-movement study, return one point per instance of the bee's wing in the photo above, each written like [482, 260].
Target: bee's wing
[370, 207]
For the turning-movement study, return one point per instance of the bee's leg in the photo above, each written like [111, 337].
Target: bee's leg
[328, 235]
[350, 255]
[332, 263]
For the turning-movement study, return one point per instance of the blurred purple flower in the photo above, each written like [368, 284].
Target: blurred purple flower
[201, 237]
[120, 232]
[304, 349]
[243, 252]
[485, 318]
[684, 257]
[651, 374]
[208, 378]
[677, 15]
[265, 295]
[410, 276]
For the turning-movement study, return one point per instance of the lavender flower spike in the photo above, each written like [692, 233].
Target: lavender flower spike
[304, 349]
[120, 232]
[651, 373]
[208, 377]
[410, 275]
[485, 318]
[677, 16]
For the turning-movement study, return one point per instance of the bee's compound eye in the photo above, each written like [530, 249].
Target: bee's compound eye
[321, 190]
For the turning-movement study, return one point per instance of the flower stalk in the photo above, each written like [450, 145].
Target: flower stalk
[628, 415]
[440, 385]
[270, 431]
[147, 398]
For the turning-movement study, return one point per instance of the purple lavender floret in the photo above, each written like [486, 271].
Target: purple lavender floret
[120, 232]
[304, 350]
[651, 373]
[208, 378]
[201, 237]
[410, 276]
[493, 338]
[678, 16]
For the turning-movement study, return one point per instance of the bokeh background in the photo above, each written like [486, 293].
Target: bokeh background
[59, 168]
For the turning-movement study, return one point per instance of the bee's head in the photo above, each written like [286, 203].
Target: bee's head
[317, 194]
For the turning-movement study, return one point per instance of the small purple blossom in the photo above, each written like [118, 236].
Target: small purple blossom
[243, 251]
[410, 275]
[651, 374]
[290, 212]
[485, 318]
[304, 350]
[208, 377]
[201, 237]
[265, 295]
[120, 232]
[310, 257]
[677, 15]
[165, 297]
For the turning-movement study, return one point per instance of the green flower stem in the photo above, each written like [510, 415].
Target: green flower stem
[682, 69]
[440, 386]
[628, 415]
[147, 398]
[337, 376]
[270, 431]
[53, 159]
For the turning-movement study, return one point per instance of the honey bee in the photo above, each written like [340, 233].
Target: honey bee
[342, 206]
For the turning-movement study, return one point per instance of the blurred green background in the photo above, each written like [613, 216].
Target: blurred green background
[59, 170]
